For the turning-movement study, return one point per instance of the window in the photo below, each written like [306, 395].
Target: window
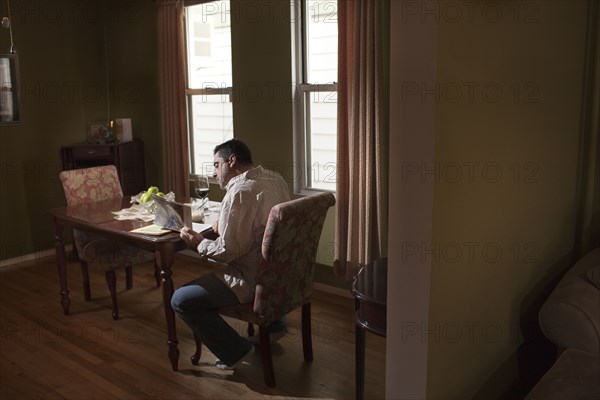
[315, 112]
[209, 81]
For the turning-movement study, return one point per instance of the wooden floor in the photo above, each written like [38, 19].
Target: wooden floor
[86, 355]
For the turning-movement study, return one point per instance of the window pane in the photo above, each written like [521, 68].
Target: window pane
[209, 45]
[321, 41]
[208, 28]
[212, 124]
[321, 146]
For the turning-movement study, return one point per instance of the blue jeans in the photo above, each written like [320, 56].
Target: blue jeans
[196, 303]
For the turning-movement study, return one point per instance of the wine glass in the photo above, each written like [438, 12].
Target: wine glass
[201, 188]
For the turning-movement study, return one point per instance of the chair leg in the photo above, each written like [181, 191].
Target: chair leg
[74, 253]
[265, 355]
[307, 333]
[157, 273]
[85, 276]
[128, 277]
[196, 356]
[111, 281]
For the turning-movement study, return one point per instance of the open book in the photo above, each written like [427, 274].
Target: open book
[170, 214]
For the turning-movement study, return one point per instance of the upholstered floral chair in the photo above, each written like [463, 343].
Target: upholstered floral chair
[289, 251]
[95, 184]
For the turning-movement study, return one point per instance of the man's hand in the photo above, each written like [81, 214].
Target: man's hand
[215, 226]
[191, 237]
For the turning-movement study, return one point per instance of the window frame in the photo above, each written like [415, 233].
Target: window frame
[191, 92]
[301, 91]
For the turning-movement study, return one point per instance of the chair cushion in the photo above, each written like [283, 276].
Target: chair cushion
[110, 255]
[81, 238]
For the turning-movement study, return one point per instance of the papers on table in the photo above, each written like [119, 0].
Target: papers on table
[153, 230]
[136, 211]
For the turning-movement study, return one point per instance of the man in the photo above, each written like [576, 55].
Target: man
[251, 192]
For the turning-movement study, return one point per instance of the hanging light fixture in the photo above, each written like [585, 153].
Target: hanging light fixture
[10, 98]
[6, 25]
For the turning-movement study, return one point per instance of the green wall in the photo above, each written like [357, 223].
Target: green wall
[62, 54]
[505, 196]
[133, 65]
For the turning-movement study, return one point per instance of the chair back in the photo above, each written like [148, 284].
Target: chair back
[289, 251]
[91, 184]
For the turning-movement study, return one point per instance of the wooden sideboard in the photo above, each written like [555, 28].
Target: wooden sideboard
[128, 157]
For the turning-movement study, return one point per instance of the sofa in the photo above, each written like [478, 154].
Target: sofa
[570, 318]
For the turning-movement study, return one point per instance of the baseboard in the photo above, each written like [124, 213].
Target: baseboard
[31, 257]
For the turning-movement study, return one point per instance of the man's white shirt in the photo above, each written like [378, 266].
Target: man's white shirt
[243, 217]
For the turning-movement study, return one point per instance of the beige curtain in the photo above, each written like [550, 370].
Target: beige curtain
[361, 219]
[588, 231]
[172, 97]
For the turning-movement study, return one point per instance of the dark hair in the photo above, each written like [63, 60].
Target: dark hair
[236, 147]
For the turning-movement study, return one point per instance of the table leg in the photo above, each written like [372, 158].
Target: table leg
[61, 263]
[360, 361]
[165, 258]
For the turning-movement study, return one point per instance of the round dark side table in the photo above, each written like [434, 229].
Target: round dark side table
[370, 301]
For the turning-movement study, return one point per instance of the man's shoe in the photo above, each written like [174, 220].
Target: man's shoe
[222, 365]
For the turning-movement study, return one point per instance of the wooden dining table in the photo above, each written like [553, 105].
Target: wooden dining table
[98, 217]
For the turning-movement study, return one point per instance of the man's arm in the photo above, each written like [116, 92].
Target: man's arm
[191, 237]
[235, 228]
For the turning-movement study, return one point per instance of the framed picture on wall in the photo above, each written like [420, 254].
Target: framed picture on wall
[10, 92]
[99, 132]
